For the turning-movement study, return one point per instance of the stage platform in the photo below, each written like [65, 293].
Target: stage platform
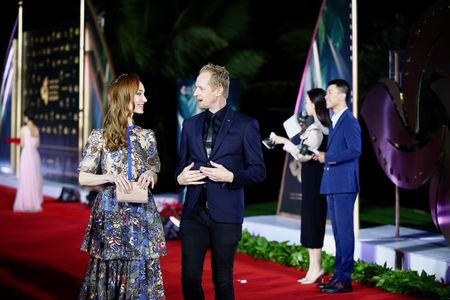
[414, 249]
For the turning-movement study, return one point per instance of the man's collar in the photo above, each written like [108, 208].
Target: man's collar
[219, 114]
[337, 115]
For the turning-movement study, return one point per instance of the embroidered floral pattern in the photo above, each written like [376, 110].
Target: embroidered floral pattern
[125, 240]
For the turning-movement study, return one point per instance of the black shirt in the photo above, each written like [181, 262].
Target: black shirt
[217, 122]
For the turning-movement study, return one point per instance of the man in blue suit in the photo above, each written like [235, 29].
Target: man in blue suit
[340, 182]
[220, 153]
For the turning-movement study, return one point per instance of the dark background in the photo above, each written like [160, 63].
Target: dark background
[160, 41]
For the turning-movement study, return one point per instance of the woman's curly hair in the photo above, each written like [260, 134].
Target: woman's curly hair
[121, 94]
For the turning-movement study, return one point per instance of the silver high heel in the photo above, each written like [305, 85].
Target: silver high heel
[314, 280]
[301, 280]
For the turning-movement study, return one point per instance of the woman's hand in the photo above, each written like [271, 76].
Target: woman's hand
[122, 183]
[147, 178]
[276, 139]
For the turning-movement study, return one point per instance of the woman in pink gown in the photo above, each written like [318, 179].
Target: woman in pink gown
[29, 193]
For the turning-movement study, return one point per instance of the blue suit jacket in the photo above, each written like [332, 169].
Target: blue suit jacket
[341, 157]
[238, 148]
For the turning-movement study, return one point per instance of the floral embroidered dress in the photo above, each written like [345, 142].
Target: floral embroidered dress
[125, 240]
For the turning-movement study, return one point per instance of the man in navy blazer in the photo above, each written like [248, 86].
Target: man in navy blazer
[340, 182]
[220, 153]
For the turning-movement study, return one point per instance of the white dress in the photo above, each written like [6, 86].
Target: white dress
[29, 193]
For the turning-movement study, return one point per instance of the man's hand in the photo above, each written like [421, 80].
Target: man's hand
[217, 173]
[190, 177]
[319, 156]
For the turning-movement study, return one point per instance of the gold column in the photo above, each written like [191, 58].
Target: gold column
[14, 121]
[87, 86]
[81, 105]
[17, 99]
[355, 93]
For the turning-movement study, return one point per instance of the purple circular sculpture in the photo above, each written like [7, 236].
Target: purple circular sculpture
[410, 151]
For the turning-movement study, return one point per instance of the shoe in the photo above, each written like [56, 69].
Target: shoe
[301, 280]
[323, 285]
[314, 280]
[337, 287]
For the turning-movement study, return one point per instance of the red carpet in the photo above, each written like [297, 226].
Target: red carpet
[40, 259]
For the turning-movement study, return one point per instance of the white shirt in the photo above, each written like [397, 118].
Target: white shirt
[336, 117]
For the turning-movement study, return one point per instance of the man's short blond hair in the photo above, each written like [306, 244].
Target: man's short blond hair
[219, 77]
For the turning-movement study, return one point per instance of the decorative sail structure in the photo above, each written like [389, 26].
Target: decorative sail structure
[6, 95]
[330, 56]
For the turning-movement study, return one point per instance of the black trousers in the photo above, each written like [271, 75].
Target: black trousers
[198, 234]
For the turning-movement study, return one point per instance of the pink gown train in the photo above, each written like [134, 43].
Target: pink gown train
[29, 193]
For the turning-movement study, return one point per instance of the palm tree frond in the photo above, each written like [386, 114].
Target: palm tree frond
[191, 48]
[246, 64]
[234, 20]
[295, 44]
[198, 12]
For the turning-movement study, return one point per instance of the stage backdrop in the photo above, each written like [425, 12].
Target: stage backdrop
[64, 111]
[51, 58]
[51, 90]
[329, 57]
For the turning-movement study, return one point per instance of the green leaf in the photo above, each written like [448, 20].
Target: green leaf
[246, 64]
[190, 49]
[238, 11]
[396, 281]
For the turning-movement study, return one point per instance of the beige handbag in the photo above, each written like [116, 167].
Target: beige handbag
[137, 195]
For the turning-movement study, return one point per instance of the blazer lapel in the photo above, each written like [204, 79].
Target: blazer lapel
[224, 128]
[333, 130]
[330, 135]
